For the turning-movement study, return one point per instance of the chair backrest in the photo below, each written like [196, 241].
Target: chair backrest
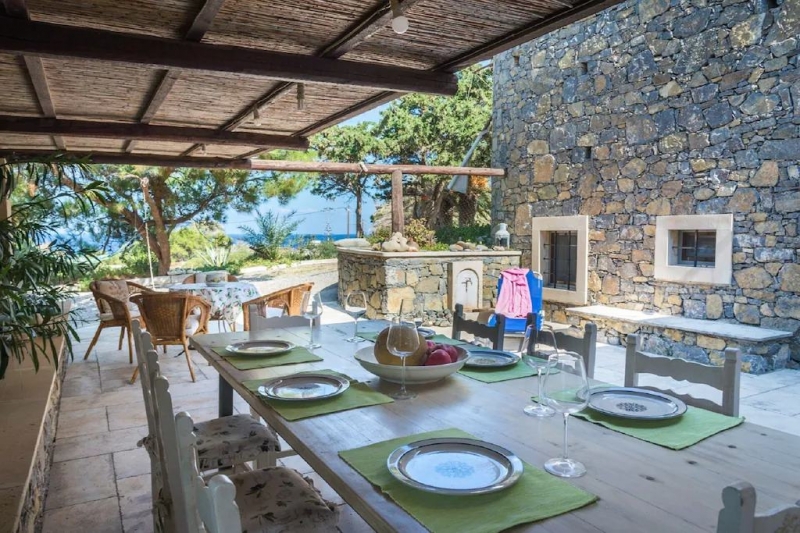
[494, 333]
[256, 322]
[572, 340]
[111, 296]
[724, 378]
[739, 513]
[166, 313]
[289, 300]
[214, 504]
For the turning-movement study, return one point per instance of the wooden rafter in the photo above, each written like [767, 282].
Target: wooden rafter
[197, 30]
[251, 164]
[63, 41]
[149, 132]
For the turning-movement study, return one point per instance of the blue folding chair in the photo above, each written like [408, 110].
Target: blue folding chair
[517, 325]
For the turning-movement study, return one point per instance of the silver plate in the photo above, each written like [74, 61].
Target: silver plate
[265, 347]
[485, 358]
[304, 387]
[426, 332]
[455, 466]
[640, 404]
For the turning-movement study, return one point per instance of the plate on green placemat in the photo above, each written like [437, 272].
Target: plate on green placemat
[260, 348]
[485, 358]
[641, 404]
[303, 387]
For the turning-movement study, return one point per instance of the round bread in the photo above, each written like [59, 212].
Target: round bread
[385, 357]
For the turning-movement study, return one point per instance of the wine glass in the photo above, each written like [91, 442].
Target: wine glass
[355, 305]
[566, 392]
[537, 360]
[402, 341]
[311, 307]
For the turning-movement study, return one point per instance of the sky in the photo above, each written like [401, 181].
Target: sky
[314, 211]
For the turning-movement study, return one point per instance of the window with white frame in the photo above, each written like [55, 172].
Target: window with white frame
[560, 248]
[694, 249]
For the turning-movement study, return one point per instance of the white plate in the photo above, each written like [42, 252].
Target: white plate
[641, 404]
[415, 375]
[304, 387]
[260, 348]
[426, 332]
[485, 358]
[455, 466]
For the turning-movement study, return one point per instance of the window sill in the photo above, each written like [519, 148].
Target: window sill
[564, 296]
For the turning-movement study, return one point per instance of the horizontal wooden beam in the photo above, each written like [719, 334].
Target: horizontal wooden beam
[53, 40]
[145, 132]
[116, 158]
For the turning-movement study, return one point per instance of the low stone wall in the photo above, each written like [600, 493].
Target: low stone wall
[422, 277]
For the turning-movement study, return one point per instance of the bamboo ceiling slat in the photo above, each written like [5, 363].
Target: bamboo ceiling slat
[15, 141]
[159, 18]
[226, 151]
[96, 90]
[18, 96]
[167, 148]
[83, 144]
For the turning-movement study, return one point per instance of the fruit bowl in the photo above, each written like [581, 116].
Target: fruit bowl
[414, 374]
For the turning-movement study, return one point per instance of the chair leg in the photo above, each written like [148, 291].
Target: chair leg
[121, 336]
[135, 373]
[130, 347]
[94, 341]
[188, 359]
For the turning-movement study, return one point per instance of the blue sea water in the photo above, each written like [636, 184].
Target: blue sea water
[298, 238]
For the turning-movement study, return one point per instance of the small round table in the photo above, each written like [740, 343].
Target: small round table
[225, 298]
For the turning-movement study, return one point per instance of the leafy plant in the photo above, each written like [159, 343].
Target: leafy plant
[479, 233]
[417, 230]
[270, 232]
[35, 260]
[215, 256]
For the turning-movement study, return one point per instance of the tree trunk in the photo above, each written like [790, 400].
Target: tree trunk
[467, 205]
[359, 226]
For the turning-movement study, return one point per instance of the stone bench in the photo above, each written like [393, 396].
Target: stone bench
[689, 338]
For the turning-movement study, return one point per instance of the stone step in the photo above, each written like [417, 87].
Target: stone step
[711, 328]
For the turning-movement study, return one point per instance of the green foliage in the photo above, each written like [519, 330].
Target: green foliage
[188, 241]
[286, 185]
[270, 232]
[479, 233]
[417, 230]
[35, 260]
[215, 257]
[379, 235]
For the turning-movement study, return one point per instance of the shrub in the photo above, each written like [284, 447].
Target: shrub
[479, 233]
[417, 230]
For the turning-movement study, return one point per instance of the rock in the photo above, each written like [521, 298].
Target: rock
[650, 9]
[754, 278]
[658, 207]
[352, 243]
[710, 343]
[610, 285]
[640, 130]
[456, 248]
[718, 115]
[396, 243]
[788, 307]
[748, 32]
[790, 278]
[766, 176]
[694, 309]
[713, 306]
[670, 89]
[747, 314]
[499, 248]
[788, 202]
[548, 192]
[635, 167]
[543, 169]
[395, 297]
[786, 149]
[642, 66]
[691, 117]
[625, 185]
[670, 189]
[481, 247]
[768, 255]
[759, 104]
[742, 201]
[538, 147]
[692, 25]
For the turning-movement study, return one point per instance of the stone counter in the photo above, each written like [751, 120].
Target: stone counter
[424, 278]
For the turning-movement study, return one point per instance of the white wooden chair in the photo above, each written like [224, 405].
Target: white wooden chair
[271, 500]
[724, 378]
[256, 321]
[739, 513]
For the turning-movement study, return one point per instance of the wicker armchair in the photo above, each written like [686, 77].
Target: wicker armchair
[113, 304]
[170, 320]
[193, 277]
[288, 299]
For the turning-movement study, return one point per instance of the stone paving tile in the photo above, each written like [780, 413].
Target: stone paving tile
[129, 463]
[81, 481]
[327, 492]
[83, 422]
[135, 504]
[97, 444]
[100, 516]
[783, 400]
[351, 522]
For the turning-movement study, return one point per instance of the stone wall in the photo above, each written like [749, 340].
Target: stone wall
[661, 107]
[421, 277]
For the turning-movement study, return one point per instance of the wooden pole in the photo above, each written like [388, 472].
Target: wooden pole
[398, 216]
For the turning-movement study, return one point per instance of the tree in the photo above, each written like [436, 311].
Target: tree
[271, 230]
[436, 130]
[348, 144]
[149, 203]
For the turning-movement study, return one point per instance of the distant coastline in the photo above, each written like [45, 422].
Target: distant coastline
[297, 238]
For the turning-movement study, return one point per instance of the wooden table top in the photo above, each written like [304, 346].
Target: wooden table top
[640, 485]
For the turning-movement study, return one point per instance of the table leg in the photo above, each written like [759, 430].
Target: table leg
[225, 398]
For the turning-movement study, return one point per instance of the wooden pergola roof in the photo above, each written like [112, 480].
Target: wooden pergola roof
[186, 80]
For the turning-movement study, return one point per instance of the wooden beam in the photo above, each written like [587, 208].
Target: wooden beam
[398, 211]
[118, 158]
[53, 40]
[203, 21]
[16, 8]
[148, 132]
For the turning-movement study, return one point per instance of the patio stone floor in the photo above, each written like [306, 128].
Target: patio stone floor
[99, 480]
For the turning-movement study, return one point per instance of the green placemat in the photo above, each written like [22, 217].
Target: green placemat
[493, 375]
[441, 339]
[678, 433]
[536, 496]
[249, 362]
[358, 395]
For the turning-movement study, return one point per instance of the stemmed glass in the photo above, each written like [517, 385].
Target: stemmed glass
[566, 392]
[538, 361]
[402, 341]
[355, 305]
[311, 307]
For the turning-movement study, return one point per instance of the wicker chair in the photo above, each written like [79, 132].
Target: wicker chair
[116, 311]
[193, 277]
[288, 300]
[170, 321]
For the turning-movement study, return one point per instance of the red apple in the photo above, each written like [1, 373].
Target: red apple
[431, 346]
[438, 357]
[452, 351]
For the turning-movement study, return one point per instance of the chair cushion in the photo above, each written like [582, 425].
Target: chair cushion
[232, 440]
[278, 499]
[192, 324]
[110, 316]
[116, 288]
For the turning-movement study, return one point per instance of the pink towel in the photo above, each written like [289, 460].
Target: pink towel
[514, 299]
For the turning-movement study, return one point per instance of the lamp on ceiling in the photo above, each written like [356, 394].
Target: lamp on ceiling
[256, 116]
[399, 21]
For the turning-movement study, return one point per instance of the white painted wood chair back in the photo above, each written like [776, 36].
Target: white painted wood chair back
[258, 322]
[725, 378]
[739, 513]
[214, 504]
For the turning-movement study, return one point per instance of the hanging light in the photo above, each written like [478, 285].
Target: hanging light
[256, 116]
[301, 96]
[399, 21]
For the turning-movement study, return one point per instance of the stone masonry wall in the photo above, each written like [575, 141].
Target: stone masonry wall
[661, 107]
[388, 279]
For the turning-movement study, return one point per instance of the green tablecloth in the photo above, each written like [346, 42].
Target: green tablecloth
[536, 496]
[678, 433]
[250, 362]
[358, 395]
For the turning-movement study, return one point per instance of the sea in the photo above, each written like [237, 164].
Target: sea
[298, 238]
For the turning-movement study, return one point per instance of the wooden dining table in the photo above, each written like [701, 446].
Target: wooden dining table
[641, 486]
